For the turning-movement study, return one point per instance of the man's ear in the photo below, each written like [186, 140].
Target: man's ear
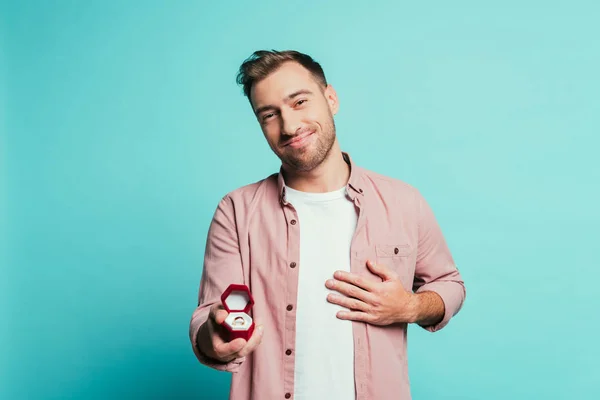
[332, 99]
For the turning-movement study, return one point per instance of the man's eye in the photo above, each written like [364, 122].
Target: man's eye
[300, 102]
[267, 116]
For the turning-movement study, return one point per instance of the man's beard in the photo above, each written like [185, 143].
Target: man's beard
[308, 158]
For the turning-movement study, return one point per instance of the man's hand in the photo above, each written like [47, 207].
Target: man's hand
[377, 303]
[212, 343]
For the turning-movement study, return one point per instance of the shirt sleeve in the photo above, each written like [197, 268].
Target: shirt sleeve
[435, 269]
[222, 267]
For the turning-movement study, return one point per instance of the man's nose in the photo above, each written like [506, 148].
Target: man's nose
[290, 122]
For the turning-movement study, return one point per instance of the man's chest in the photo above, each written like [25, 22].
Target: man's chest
[277, 245]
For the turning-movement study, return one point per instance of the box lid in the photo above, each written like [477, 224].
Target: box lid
[237, 298]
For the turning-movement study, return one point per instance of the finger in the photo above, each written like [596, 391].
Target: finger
[354, 279]
[254, 341]
[228, 350]
[355, 316]
[350, 290]
[215, 337]
[351, 304]
[381, 270]
[220, 317]
[218, 314]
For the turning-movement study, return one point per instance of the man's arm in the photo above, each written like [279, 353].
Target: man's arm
[429, 309]
[222, 267]
[438, 284]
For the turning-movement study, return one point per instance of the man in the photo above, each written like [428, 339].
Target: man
[339, 259]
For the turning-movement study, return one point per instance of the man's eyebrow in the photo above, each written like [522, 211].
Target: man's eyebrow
[298, 93]
[287, 98]
[263, 108]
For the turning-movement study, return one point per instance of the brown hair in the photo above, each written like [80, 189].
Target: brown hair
[263, 62]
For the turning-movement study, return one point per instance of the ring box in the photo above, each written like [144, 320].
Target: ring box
[238, 301]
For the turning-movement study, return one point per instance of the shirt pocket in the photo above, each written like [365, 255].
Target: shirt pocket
[392, 250]
[398, 258]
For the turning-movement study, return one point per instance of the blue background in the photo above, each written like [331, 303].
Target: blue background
[123, 127]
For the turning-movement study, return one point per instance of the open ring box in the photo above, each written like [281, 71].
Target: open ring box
[238, 301]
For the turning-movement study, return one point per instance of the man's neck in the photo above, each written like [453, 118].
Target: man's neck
[332, 174]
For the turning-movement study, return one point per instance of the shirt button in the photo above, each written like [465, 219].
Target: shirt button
[360, 190]
[293, 222]
[288, 352]
[293, 265]
[288, 395]
[396, 250]
[290, 307]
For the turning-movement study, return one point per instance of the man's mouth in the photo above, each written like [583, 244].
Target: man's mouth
[300, 140]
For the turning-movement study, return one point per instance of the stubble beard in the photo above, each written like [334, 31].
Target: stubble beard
[308, 158]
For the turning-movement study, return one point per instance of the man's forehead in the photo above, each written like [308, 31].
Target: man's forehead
[281, 83]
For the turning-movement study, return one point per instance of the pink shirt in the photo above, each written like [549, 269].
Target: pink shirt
[254, 240]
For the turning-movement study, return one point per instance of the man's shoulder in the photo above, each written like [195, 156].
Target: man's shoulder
[386, 183]
[253, 190]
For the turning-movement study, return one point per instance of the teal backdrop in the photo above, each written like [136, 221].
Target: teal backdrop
[122, 127]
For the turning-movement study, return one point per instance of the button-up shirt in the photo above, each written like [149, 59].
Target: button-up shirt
[254, 239]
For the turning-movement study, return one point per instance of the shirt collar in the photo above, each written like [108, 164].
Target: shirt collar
[353, 187]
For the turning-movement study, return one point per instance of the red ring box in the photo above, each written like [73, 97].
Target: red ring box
[237, 300]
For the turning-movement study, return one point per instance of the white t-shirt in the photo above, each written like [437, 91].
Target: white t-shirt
[324, 344]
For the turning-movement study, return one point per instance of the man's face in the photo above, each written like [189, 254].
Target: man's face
[296, 113]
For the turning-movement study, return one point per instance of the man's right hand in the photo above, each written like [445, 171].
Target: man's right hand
[212, 343]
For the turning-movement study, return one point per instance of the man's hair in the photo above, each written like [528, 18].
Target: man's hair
[264, 62]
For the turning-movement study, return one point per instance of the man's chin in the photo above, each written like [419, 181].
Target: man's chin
[300, 164]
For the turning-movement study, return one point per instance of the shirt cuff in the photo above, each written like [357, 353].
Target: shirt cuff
[452, 294]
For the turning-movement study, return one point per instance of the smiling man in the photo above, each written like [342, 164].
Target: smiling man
[339, 259]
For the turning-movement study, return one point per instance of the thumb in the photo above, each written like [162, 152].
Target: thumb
[218, 314]
[381, 270]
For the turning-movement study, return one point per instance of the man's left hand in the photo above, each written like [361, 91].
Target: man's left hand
[377, 303]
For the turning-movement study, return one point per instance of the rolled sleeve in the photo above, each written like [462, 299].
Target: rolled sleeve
[222, 267]
[452, 295]
[435, 269]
